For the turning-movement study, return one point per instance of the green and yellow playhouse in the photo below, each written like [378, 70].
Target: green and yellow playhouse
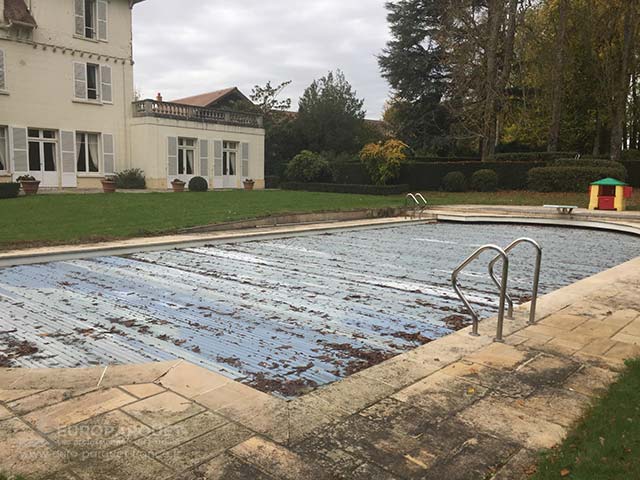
[609, 194]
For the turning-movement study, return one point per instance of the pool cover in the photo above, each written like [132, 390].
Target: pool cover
[283, 315]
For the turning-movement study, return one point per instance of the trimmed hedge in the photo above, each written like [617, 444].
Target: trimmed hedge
[351, 173]
[454, 182]
[419, 159]
[198, 184]
[631, 155]
[9, 190]
[586, 162]
[484, 180]
[633, 172]
[271, 181]
[570, 178]
[532, 156]
[346, 188]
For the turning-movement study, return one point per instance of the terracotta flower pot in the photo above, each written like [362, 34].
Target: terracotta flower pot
[30, 187]
[108, 186]
[178, 186]
[248, 185]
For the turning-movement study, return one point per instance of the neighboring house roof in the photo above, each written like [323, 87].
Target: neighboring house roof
[211, 98]
[16, 11]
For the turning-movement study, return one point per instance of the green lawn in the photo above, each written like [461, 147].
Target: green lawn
[606, 445]
[72, 218]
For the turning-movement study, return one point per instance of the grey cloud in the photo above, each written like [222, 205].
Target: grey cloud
[194, 46]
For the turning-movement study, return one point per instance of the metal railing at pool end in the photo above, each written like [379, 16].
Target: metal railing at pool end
[503, 288]
[536, 276]
[419, 203]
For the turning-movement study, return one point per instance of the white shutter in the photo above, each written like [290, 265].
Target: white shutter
[105, 79]
[102, 20]
[108, 154]
[172, 158]
[19, 151]
[68, 156]
[80, 80]
[217, 158]
[79, 15]
[204, 158]
[245, 159]
[3, 75]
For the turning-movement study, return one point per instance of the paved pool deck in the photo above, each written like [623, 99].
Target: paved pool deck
[461, 407]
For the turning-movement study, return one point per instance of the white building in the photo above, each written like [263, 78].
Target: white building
[68, 116]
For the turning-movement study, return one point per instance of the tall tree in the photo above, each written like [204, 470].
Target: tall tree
[330, 115]
[558, 76]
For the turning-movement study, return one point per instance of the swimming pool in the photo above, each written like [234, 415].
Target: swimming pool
[283, 315]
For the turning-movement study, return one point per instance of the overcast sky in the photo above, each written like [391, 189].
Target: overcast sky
[187, 47]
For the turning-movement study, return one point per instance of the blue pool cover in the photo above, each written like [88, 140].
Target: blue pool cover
[283, 315]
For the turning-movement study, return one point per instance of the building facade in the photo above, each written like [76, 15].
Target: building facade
[68, 115]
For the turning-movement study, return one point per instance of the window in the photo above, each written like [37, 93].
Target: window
[88, 153]
[42, 150]
[90, 18]
[186, 156]
[93, 77]
[4, 149]
[229, 157]
[3, 76]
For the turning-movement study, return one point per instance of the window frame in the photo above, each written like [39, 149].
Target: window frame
[98, 82]
[226, 151]
[41, 139]
[94, 15]
[4, 89]
[5, 129]
[99, 161]
[183, 148]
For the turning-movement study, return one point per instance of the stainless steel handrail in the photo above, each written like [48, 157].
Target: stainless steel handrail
[536, 276]
[503, 288]
[417, 205]
[420, 197]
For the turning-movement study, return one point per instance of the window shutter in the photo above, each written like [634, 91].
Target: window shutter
[245, 159]
[204, 158]
[108, 154]
[217, 158]
[19, 155]
[79, 11]
[80, 80]
[68, 156]
[172, 157]
[105, 79]
[102, 20]
[3, 75]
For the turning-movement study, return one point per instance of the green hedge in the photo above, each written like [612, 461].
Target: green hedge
[352, 173]
[532, 156]
[9, 190]
[586, 162]
[570, 178]
[443, 159]
[633, 172]
[346, 188]
[271, 181]
[429, 176]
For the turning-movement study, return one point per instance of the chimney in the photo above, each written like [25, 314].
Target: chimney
[158, 97]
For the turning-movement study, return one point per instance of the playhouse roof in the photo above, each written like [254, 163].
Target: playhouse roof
[610, 182]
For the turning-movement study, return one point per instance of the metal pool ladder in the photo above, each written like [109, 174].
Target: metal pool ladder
[536, 276]
[419, 204]
[503, 288]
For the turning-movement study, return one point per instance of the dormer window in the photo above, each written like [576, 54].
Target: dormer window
[91, 19]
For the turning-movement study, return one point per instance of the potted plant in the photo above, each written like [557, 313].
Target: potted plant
[29, 184]
[178, 185]
[248, 184]
[109, 184]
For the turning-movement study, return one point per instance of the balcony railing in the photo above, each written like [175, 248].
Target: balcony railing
[178, 111]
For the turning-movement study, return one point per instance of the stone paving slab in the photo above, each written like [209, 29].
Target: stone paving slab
[459, 408]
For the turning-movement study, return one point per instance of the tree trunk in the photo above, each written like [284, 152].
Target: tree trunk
[597, 138]
[624, 76]
[495, 15]
[558, 78]
[634, 136]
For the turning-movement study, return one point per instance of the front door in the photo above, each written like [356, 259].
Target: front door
[186, 159]
[230, 165]
[43, 161]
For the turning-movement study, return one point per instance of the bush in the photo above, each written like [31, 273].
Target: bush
[570, 178]
[532, 156]
[271, 181]
[9, 190]
[308, 167]
[346, 188]
[132, 179]
[454, 182]
[383, 160]
[484, 180]
[631, 155]
[586, 162]
[198, 184]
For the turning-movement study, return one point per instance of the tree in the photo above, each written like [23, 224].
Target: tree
[331, 116]
[558, 77]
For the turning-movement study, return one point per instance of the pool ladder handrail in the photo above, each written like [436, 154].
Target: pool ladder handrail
[503, 288]
[419, 203]
[536, 276]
